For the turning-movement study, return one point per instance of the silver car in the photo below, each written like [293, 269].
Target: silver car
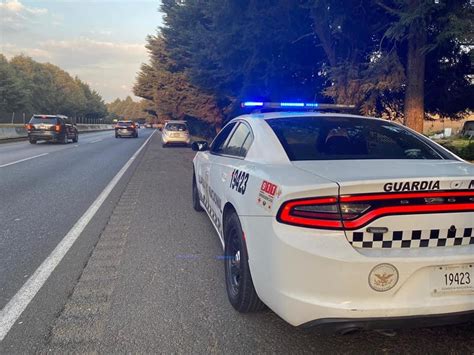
[175, 132]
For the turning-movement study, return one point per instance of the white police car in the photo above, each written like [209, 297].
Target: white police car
[338, 219]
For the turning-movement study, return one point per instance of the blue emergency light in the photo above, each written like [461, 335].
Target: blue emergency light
[294, 105]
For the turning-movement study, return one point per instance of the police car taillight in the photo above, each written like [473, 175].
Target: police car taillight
[324, 212]
[356, 211]
[57, 128]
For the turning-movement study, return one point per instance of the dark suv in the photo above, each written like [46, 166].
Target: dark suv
[55, 128]
[126, 129]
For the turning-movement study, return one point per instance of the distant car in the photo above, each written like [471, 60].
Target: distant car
[468, 129]
[54, 128]
[175, 132]
[126, 129]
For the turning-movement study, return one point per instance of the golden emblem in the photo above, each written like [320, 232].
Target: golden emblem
[382, 279]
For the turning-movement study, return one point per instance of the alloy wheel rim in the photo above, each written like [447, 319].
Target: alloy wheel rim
[233, 259]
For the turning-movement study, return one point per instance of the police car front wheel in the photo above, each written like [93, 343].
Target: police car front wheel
[239, 284]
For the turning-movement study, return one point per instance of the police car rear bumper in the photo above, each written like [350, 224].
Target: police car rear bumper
[308, 276]
[345, 325]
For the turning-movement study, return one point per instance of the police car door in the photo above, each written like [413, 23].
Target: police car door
[205, 171]
[229, 175]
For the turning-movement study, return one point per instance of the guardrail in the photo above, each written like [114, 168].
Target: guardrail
[8, 131]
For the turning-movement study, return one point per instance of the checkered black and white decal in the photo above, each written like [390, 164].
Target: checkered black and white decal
[413, 239]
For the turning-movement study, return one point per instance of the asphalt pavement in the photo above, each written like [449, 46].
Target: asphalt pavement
[147, 275]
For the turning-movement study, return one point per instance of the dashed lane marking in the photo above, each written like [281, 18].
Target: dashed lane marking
[22, 160]
[96, 140]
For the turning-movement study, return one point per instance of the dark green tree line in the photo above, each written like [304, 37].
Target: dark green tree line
[31, 87]
[393, 57]
[129, 109]
[167, 90]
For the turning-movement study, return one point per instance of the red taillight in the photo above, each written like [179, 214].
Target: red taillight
[29, 127]
[356, 211]
[57, 128]
[315, 213]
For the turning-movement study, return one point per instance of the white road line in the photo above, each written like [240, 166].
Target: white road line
[21, 160]
[97, 140]
[15, 307]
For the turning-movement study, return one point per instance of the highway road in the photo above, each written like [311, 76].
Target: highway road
[146, 274]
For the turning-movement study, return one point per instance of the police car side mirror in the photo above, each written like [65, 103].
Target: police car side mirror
[199, 146]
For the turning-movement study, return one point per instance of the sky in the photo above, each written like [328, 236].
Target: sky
[101, 41]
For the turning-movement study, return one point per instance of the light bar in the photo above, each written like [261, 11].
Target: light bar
[292, 104]
[295, 105]
[252, 104]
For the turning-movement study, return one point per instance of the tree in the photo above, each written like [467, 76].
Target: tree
[371, 53]
[31, 87]
[13, 95]
[358, 70]
[420, 27]
[169, 91]
[128, 109]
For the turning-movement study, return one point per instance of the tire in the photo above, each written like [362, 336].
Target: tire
[196, 204]
[239, 285]
[76, 138]
[116, 136]
[32, 141]
[163, 145]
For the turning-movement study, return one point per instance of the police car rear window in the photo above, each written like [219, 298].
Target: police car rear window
[339, 138]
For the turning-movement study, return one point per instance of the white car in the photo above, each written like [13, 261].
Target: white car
[339, 220]
[175, 132]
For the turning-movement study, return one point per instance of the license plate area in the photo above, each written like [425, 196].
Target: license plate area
[452, 280]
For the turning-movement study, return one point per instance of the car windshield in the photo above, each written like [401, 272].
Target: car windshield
[337, 138]
[124, 123]
[43, 120]
[180, 127]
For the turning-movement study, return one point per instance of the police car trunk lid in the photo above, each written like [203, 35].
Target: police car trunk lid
[400, 203]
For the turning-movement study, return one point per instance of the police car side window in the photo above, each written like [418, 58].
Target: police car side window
[236, 143]
[221, 139]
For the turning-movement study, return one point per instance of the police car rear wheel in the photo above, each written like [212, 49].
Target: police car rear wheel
[239, 284]
[196, 204]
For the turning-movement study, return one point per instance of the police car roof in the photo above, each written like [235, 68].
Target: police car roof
[287, 114]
